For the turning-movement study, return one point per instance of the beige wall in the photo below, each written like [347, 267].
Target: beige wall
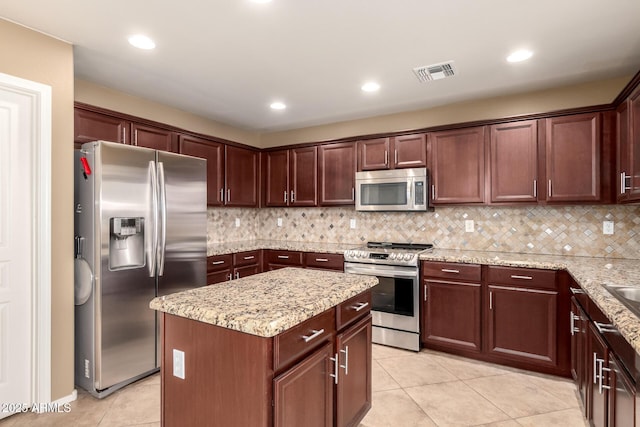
[594, 93]
[33, 56]
[93, 94]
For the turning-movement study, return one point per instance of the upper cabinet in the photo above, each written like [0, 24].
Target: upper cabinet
[153, 137]
[291, 177]
[628, 149]
[514, 162]
[407, 151]
[241, 177]
[213, 152]
[457, 166]
[91, 126]
[572, 161]
[337, 174]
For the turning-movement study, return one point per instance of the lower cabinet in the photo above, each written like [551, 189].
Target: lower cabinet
[275, 259]
[221, 268]
[324, 261]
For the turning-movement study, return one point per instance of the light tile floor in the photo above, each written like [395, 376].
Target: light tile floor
[409, 389]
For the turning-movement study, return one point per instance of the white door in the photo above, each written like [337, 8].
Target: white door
[16, 276]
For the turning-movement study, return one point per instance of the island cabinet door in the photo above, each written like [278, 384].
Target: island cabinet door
[303, 395]
[353, 396]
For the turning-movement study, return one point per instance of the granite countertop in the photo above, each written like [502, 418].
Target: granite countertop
[265, 304]
[250, 245]
[590, 273]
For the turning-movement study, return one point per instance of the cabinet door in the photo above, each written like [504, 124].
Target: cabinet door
[598, 396]
[579, 355]
[249, 270]
[353, 398]
[241, 176]
[622, 396]
[90, 126]
[623, 148]
[303, 176]
[410, 151]
[634, 160]
[573, 158]
[522, 324]
[152, 137]
[373, 154]
[219, 276]
[457, 166]
[303, 395]
[337, 170]
[514, 162]
[213, 153]
[452, 315]
[276, 178]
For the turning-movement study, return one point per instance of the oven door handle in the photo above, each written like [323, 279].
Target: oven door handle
[381, 273]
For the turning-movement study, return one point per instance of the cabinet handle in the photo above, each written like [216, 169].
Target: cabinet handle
[217, 262]
[315, 334]
[386, 157]
[360, 306]
[623, 182]
[535, 188]
[572, 322]
[222, 195]
[353, 194]
[600, 375]
[229, 276]
[433, 191]
[346, 359]
[237, 274]
[490, 300]
[604, 328]
[396, 156]
[425, 292]
[549, 188]
[595, 367]
[249, 257]
[293, 196]
[447, 270]
[285, 196]
[124, 135]
[335, 368]
[515, 276]
[576, 291]
[283, 256]
[322, 260]
[135, 137]
[228, 195]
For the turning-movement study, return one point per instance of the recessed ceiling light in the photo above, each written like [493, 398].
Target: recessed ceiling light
[520, 55]
[278, 106]
[370, 87]
[261, 1]
[141, 42]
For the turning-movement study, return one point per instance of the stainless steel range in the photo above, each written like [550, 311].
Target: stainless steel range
[395, 300]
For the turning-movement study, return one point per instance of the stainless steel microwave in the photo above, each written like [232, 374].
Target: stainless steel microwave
[392, 190]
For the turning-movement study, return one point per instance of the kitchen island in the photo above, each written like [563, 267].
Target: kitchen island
[288, 347]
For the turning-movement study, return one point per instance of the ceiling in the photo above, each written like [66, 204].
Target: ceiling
[228, 60]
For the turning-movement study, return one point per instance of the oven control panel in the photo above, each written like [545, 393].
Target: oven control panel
[386, 257]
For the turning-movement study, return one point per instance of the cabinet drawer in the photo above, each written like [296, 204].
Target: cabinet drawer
[452, 271]
[291, 345]
[284, 257]
[218, 277]
[246, 258]
[523, 277]
[353, 309]
[219, 262]
[326, 261]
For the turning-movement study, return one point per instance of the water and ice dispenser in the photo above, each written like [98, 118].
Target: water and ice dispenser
[126, 243]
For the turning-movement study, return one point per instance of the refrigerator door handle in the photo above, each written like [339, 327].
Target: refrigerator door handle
[162, 206]
[152, 248]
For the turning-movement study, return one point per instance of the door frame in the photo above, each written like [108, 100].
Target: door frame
[40, 169]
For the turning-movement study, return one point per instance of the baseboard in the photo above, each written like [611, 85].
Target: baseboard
[67, 399]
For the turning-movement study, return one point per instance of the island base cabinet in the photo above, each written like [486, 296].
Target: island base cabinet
[303, 395]
[353, 397]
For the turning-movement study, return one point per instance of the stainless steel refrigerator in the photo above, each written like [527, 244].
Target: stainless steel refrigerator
[141, 226]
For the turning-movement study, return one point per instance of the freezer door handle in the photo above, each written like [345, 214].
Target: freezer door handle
[162, 202]
[152, 245]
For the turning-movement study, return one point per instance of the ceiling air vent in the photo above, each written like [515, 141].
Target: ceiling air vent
[434, 71]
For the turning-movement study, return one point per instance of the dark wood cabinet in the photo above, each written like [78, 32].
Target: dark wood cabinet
[634, 147]
[452, 306]
[303, 395]
[241, 177]
[622, 397]
[324, 261]
[219, 268]
[275, 259]
[458, 166]
[247, 263]
[406, 151]
[353, 391]
[628, 149]
[572, 163]
[213, 152]
[337, 174]
[579, 354]
[291, 177]
[91, 126]
[514, 162]
[152, 137]
[599, 393]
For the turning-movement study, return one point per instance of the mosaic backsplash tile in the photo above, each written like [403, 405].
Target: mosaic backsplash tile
[568, 230]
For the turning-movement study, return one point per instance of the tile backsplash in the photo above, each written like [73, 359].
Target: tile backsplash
[566, 230]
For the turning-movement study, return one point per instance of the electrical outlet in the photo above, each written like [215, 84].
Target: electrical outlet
[469, 226]
[237, 222]
[352, 223]
[607, 227]
[279, 222]
[178, 364]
